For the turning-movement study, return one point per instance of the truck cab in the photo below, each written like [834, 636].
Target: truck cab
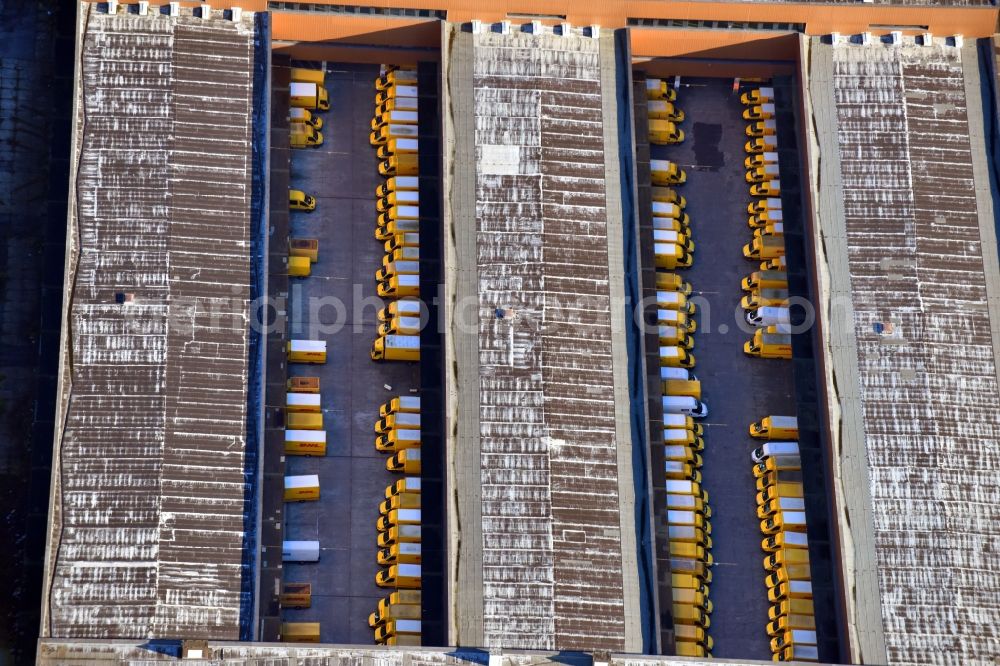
[299, 200]
[759, 112]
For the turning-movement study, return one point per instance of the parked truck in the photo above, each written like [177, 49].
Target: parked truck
[306, 95]
[396, 348]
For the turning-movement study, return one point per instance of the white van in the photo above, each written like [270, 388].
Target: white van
[767, 316]
[774, 449]
[685, 404]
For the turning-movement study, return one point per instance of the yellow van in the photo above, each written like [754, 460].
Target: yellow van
[406, 461]
[785, 574]
[769, 188]
[789, 463]
[784, 540]
[664, 132]
[689, 503]
[694, 597]
[665, 172]
[791, 607]
[764, 247]
[403, 576]
[766, 343]
[677, 318]
[691, 551]
[683, 436]
[765, 279]
[759, 112]
[401, 553]
[761, 128]
[305, 136]
[400, 501]
[794, 589]
[674, 356]
[760, 298]
[798, 653]
[689, 614]
[672, 282]
[786, 622]
[780, 489]
[793, 637]
[299, 200]
[674, 469]
[771, 507]
[300, 115]
[784, 521]
[397, 440]
[394, 628]
[785, 557]
[398, 597]
[776, 477]
[688, 581]
[689, 649]
[691, 518]
[672, 335]
[671, 256]
[775, 427]
[399, 534]
[394, 612]
[403, 164]
[688, 534]
[398, 517]
[694, 567]
[408, 484]
[668, 195]
[682, 453]
[691, 634]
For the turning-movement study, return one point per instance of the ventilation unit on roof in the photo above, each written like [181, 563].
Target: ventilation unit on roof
[834, 38]
[206, 10]
[896, 38]
[959, 40]
[143, 7]
[112, 6]
[536, 27]
[236, 14]
[866, 38]
[504, 27]
[565, 28]
[927, 39]
[476, 26]
[595, 31]
[175, 9]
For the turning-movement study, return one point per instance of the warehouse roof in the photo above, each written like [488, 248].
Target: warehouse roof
[146, 531]
[914, 282]
[53, 653]
[553, 540]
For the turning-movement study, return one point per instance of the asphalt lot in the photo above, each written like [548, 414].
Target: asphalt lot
[737, 388]
[342, 175]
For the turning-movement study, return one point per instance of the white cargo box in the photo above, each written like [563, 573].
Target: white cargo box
[300, 551]
[302, 400]
[308, 346]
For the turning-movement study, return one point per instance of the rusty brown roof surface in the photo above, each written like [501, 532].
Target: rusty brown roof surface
[552, 575]
[147, 528]
[929, 378]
